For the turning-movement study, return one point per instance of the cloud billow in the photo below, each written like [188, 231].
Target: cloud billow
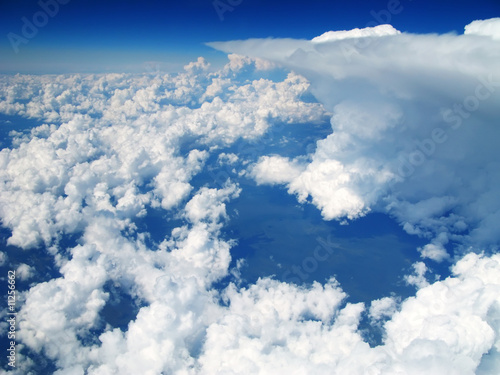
[112, 148]
[413, 129]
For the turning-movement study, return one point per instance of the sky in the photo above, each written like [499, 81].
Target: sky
[249, 187]
[93, 36]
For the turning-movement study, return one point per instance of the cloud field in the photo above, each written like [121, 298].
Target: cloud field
[414, 122]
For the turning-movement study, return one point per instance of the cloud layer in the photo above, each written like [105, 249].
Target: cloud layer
[113, 150]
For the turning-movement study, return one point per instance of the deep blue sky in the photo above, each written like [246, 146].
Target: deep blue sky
[93, 36]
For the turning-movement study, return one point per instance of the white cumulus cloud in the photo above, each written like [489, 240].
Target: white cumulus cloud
[489, 27]
[379, 30]
[412, 130]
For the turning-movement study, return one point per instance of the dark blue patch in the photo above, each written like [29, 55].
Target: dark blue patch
[158, 223]
[17, 123]
[277, 236]
[38, 258]
[120, 309]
